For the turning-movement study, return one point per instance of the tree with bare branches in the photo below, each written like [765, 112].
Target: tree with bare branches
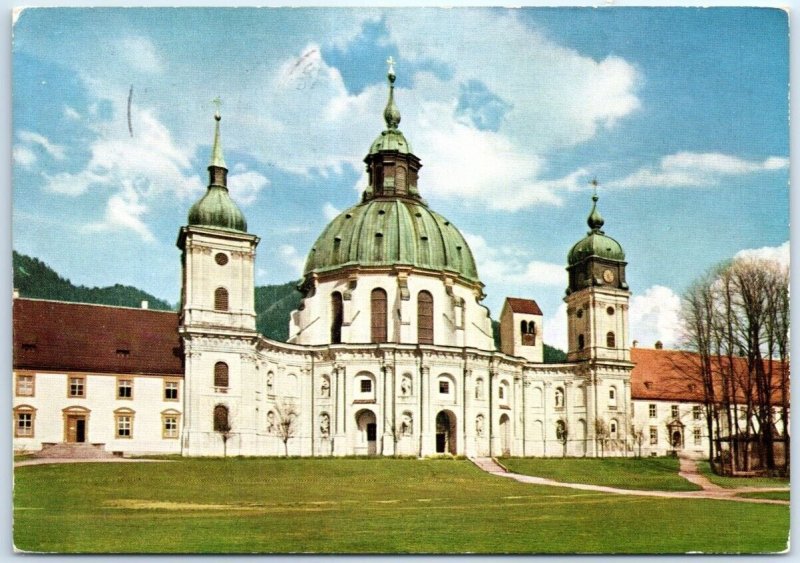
[601, 434]
[286, 419]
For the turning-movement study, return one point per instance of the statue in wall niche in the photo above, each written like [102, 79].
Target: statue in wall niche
[479, 425]
[406, 425]
[405, 387]
[325, 389]
[559, 398]
[271, 423]
[269, 382]
[325, 425]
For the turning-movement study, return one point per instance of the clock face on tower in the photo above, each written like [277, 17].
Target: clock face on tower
[608, 276]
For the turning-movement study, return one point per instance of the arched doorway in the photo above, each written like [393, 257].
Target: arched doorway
[505, 435]
[367, 432]
[676, 440]
[446, 433]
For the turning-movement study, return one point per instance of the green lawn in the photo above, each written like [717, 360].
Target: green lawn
[774, 495]
[360, 506]
[734, 482]
[649, 473]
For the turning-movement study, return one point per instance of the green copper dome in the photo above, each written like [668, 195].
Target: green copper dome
[388, 232]
[391, 140]
[216, 209]
[596, 243]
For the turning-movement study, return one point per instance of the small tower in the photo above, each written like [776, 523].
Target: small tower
[521, 329]
[218, 256]
[597, 296]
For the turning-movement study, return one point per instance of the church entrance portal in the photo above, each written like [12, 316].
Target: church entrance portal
[445, 433]
[368, 432]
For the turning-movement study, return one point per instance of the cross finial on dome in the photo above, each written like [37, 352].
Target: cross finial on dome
[391, 114]
[594, 183]
[595, 220]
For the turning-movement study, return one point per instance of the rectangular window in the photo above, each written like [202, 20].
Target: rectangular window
[652, 410]
[444, 387]
[697, 436]
[125, 389]
[24, 427]
[366, 386]
[124, 426]
[653, 435]
[25, 386]
[77, 387]
[696, 413]
[170, 427]
[674, 411]
[170, 390]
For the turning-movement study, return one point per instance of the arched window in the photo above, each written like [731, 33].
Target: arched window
[479, 388]
[581, 342]
[523, 327]
[220, 374]
[337, 315]
[529, 333]
[611, 342]
[221, 423]
[220, 299]
[378, 308]
[424, 318]
[612, 397]
[612, 430]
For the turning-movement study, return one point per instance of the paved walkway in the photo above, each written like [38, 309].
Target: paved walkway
[687, 470]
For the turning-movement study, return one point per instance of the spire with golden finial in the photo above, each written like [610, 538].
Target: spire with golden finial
[391, 114]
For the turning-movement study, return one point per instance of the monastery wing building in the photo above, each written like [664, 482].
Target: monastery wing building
[390, 353]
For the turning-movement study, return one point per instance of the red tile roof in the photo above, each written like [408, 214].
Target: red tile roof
[673, 375]
[54, 335]
[526, 306]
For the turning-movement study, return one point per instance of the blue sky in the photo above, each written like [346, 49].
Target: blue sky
[682, 114]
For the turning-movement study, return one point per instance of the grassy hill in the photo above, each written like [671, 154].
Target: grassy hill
[274, 303]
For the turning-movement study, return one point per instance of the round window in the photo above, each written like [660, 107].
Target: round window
[610, 310]
[221, 258]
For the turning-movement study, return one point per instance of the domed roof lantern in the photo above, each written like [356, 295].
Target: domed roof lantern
[216, 209]
[596, 243]
[595, 220]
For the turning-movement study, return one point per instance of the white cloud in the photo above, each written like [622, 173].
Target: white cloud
[23, 156]
[329, 211]
[124, 211]
[779, 254]
[292, 258]
[30, 138]
[244, 187]
[140, 53]
[686, 169]
[555, 328]
[71, 113]
[655, 315]
[510, 266]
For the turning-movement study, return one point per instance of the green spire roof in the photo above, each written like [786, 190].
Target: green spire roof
[391, 139]
[216, 209]
[596, 243]
[216, 151]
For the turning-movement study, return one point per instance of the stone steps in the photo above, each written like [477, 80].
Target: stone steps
[63, 450]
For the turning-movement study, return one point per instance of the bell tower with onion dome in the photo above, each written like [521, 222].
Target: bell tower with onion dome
[597, 296]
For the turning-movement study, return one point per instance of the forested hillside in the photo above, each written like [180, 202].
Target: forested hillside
[274, 303]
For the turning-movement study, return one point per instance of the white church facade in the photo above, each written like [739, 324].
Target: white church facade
[391, 351]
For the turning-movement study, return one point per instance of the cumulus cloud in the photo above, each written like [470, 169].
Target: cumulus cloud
[30, 138]
[124, 211]
[555, 328]
[292, 258]
[779, 254]
[71, 113]
[512, 266]
[655, 315]
[245, 186]
[329, 211]
[688, 169]
[23, 156]
[140, 53]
